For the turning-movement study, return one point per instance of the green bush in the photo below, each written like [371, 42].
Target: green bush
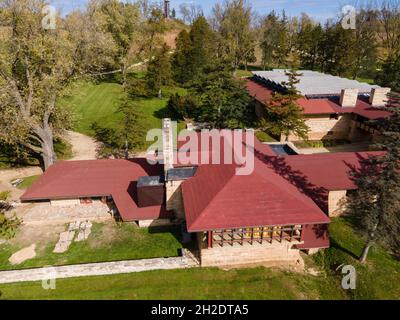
[8, 226]
[4, 195]
[264, 137]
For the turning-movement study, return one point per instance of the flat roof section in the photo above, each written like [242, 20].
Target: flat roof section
[313, 83]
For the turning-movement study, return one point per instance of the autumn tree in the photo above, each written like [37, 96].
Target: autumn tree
[236, 32]
[122, 22]
[283, 114]
[36, 64]
[376, 202]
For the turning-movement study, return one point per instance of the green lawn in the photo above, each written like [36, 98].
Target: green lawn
[378, 279]
[206, 283]
[27, 182]
[106, 243]
[93, 102]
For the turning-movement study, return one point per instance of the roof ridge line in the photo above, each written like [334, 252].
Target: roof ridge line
[211, 200]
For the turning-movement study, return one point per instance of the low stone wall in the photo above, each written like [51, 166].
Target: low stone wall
[249, 254]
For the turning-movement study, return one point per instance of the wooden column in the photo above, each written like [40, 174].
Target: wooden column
[210, 239]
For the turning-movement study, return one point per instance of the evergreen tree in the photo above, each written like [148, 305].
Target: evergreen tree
[223, 100]
[159, 71]
[194, 51]
[376, 203]
[390, 74]
[181, 58]
[283, 115]
[201, 38]
[275, 41]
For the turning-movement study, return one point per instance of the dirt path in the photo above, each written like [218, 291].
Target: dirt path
[83, 147]
[11, 174]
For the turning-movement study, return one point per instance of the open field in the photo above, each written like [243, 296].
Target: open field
[92, 102]
[108, 242]
[378, 279]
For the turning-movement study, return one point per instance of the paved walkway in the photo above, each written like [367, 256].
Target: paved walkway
[96, 269]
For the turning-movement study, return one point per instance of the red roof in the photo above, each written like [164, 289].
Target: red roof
[216, 198]
[318, 106]
[329, 170]
[96, 178]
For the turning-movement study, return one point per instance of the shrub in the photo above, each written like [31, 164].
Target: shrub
[4, 195]
[8, 226]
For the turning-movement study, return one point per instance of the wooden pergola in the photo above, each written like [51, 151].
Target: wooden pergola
[254, 235]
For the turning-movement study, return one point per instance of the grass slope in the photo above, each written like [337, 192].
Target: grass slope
[93, 102]
[206, 283]
[378, 279]
[111, 243]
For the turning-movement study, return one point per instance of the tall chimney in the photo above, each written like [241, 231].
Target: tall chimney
[168, 145]
[379, 97]
[348, 97]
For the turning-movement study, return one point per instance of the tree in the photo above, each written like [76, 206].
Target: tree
[181, 58]
[190, 12]
[308, 42]
[35, 67]
[122, 22]
[365, 44]
[117, 142]
[223, 100]
[159, 71]
[236, 33]
[183, 107]
[194, 51]
[376, 203]
[274, 43]
[389, 76]
[283, 114]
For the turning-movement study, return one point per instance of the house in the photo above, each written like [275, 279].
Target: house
[269, 215]
[334, 108]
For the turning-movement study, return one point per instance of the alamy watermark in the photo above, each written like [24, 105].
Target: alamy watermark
[189, 148]
[349, 279]
[349, 19]
[49, 279]
[49, 20]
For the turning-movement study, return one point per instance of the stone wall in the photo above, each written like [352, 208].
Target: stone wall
[174, 198]
[337, 202]
[325, 128]
[65, 202]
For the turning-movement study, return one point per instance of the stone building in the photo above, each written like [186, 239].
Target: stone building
[334, 108]
[282, 206]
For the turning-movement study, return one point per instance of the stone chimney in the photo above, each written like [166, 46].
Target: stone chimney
[379, 97]
[348, 97]
[168, 145]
